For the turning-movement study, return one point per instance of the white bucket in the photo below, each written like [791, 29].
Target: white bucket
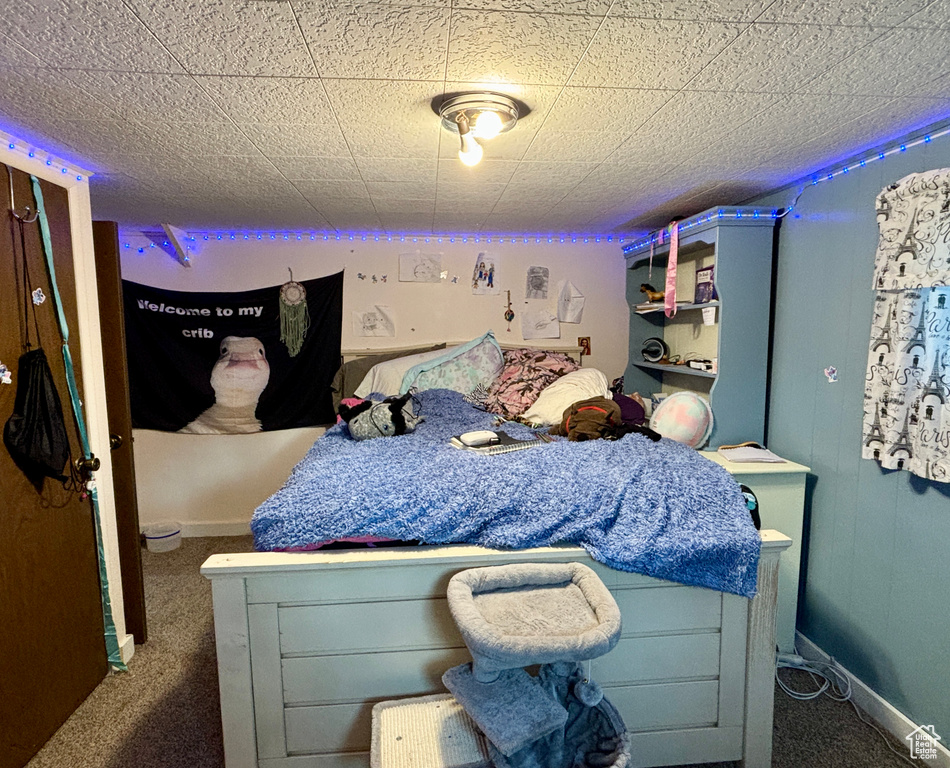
[162, 537]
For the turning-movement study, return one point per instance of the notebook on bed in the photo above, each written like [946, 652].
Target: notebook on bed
[503, 443]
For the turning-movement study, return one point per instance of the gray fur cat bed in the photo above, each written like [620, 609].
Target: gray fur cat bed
[513, 616]
[550, 614]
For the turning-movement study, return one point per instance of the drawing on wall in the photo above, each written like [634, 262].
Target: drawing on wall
[485, 274]
[570, 304]
[420, 267]
[377, 321]
[539, 324]
[536, 285]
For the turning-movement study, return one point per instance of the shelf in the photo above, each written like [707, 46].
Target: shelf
[683, 369]
[712, 223]
[737, 243]
[679, 307]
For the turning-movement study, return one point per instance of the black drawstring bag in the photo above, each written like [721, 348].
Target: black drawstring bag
[35, 434]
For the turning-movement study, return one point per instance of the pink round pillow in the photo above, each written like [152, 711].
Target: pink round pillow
[685, 417]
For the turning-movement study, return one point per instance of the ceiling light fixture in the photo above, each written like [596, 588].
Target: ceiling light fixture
[477, 116]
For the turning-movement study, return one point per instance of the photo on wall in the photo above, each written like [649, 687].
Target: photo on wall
[215, 363]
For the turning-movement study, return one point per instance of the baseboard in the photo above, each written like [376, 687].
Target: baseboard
[879, 709]
[127, 648]
[194, 530]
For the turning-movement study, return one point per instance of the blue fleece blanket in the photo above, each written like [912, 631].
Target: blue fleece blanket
[635, 505]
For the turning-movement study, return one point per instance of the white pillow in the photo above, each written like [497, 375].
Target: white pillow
[386, 377]
[562, 393]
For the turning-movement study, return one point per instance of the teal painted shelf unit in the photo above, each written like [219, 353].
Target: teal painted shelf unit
[739, 247]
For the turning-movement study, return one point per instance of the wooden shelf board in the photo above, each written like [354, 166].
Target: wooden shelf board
[679, 307]
[683, 369]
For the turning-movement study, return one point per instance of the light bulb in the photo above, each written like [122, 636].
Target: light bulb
[488, 125]
[471, 151]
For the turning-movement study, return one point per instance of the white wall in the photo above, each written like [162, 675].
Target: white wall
[211, 484]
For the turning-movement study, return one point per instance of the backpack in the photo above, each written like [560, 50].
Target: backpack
[35, 434]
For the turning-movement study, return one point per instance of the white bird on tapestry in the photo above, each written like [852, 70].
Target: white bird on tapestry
[238, 378]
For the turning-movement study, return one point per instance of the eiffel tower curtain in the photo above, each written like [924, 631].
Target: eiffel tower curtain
[907, 389]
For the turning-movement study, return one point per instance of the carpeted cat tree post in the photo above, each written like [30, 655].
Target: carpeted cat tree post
[556, 615]
[552, 615]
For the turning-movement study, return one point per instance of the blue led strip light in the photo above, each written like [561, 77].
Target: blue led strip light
[26, 149]
[815, 179]
[903, 147]
[705, 218]
[198, 237]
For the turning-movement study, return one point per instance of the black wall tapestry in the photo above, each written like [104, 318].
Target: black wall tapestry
[214, 363]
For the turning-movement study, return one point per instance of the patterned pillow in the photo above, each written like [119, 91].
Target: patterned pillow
[525, 374]
[461, 369]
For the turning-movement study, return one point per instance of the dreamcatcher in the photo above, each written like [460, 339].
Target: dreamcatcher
[294, 315]
[509, 313]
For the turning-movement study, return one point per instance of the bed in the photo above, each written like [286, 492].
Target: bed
[308, 641]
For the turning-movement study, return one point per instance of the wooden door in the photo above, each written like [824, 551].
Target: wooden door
[52, 647]
[109, 281]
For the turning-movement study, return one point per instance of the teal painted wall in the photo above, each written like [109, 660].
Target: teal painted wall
[877, 578]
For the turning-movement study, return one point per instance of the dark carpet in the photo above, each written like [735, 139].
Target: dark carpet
[164, 713]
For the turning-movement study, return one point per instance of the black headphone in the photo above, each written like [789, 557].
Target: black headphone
[654, 349]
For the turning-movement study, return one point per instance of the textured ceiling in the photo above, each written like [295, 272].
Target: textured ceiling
[316, 114]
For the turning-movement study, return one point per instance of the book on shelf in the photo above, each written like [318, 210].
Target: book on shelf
[501, 443]
[705, 286]
[749, 453]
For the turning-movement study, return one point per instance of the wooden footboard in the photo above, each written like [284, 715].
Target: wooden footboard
[307, 643]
